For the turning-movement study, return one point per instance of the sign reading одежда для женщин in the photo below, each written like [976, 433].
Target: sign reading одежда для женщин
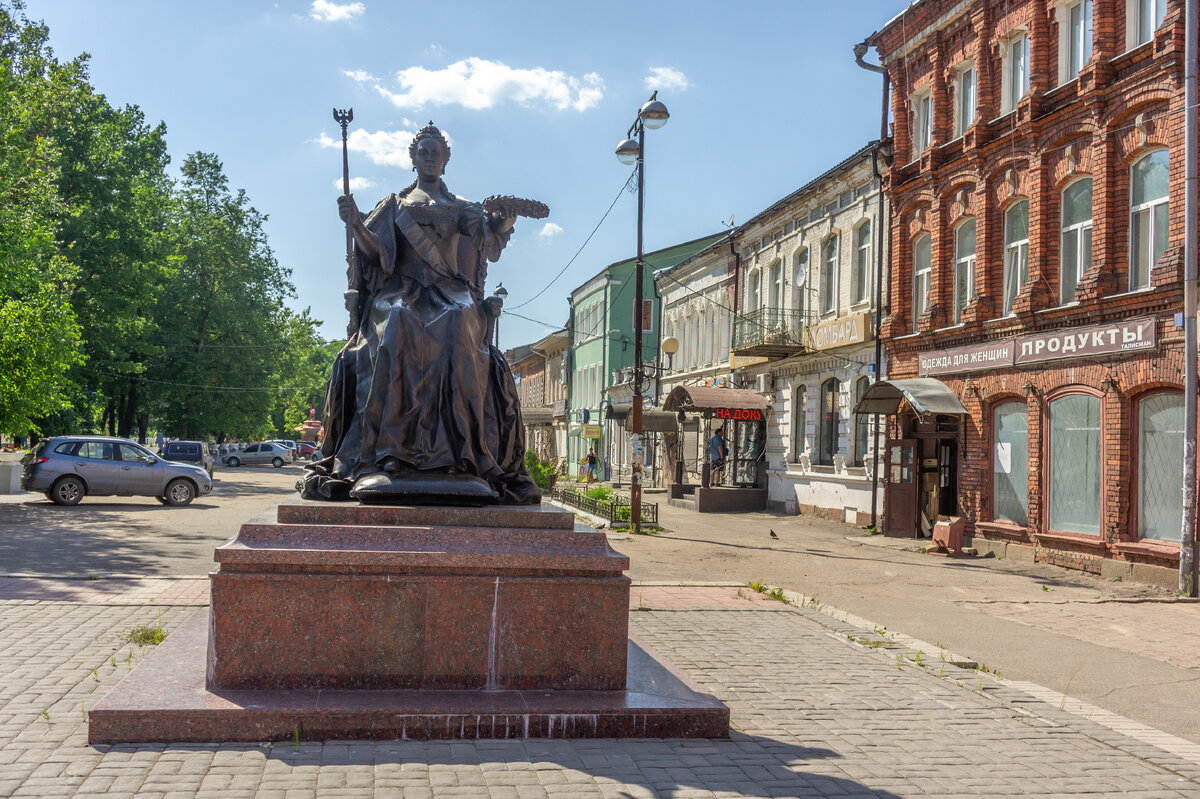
[1127, 335]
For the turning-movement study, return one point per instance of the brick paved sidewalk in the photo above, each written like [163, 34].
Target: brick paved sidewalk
[818, 711]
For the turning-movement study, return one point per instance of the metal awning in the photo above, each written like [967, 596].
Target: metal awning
[654, 420]
[926, 395]
[703, 398]
[537, 416]
[617, 410]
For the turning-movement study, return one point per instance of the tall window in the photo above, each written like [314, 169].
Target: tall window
[755, 293]
[1160, 451]
[1010, 463]
[1148, 17]
[1148, 185]
[1079, 37]
[828, 424]
[829, 258]
[1016, 252]
[1076, 236]
[800, 281]
[862, 260]
[799, 421]
[922, 276]
[922, 110]
[1016, 72]
[964, 267]
[1075, 464]
[964, 100]
[776, 287]
[861, 420]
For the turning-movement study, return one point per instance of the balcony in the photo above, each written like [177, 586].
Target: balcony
[771, 332]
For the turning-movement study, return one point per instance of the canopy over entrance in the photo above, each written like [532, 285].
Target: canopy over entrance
[724, 403]
[544, 416]
[926, 395]
[653, 419]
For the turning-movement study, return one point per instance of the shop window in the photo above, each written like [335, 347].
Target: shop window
[862, 261]
[1076, 252]
[1160, 451]
[1016, 252]
[861, 423]
[829, 422]
[1010, 463]
[1074, 474]
[1148, 208]
[922, 277]
[799, 421]
[964, 267]
[829, 259]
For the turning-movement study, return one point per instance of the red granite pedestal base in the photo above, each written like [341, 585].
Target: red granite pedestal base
[350, 621]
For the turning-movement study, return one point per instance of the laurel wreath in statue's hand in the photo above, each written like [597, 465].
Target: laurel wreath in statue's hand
[507, 205]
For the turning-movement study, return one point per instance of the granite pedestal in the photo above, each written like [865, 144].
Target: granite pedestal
[352, 621]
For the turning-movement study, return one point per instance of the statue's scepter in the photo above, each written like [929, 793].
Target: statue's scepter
[344, 118]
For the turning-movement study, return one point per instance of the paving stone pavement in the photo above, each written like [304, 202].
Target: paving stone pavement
[818, 711]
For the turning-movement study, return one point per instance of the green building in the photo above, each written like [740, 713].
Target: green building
[601, 341]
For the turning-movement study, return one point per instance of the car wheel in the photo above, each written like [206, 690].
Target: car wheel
[314, 456]
[277, 462]
[234, 462]
[179, 492]
[67, 491]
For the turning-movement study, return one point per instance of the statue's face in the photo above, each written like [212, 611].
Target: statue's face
[431, 159]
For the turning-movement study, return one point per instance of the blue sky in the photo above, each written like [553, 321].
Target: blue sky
[534, 96]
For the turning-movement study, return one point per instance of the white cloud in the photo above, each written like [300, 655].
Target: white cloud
[666, 78]
[355, 184]
[382, 147]
[477, 83]
[360, 75]
[549, 230]
[327, 11]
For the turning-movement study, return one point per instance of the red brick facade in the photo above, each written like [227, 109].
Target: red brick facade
[1124, 104]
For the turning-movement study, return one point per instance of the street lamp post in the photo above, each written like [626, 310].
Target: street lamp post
[652, 115]
[502, 294]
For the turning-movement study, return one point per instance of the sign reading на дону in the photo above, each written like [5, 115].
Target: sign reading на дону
[1127, 335]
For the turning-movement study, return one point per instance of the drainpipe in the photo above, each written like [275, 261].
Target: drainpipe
[569, 363]
[1187, 543]
[860, 50]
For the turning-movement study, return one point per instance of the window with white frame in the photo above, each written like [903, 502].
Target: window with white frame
[1016, 253]
[1148, 216]
[710, 336]
[862, 261]
[1014, 78]
[964, 267]
[1076, 253]
[829, 423]
[829, 258]
[1142, 19]
[922, 115]
[755, 294]
[964, 99]
[799, 421]
[1076, 23]
[861, 423]
[1160, 451]
[922, 276]
[776, 298]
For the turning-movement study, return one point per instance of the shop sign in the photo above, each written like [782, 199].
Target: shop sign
[1128, 335]
[716, 382]
[965, 359]
[737, 414]
[840, 332]
[591, 431]
[742, 361]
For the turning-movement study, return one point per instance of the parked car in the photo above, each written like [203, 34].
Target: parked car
[68, 468]
[196, 452]
[266, 452]
[307, 449]
[287, 444]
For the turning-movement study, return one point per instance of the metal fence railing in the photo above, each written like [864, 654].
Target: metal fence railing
[616, 509]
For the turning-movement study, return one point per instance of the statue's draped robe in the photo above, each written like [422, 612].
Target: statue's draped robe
[419, 386]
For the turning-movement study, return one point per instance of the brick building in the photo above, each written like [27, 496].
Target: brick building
[1036, 274]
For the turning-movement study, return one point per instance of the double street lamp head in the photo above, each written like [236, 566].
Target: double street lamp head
[652, 116]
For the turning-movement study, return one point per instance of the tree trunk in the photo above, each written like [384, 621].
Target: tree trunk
[128, 410]
[110, 418]
[143, 422]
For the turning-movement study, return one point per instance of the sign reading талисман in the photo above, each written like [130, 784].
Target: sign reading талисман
[1127, 335]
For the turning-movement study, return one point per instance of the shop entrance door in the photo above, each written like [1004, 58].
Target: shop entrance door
[900, 516]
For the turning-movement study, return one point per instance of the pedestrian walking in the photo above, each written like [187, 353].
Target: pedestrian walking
[717, 451]
[593, 466]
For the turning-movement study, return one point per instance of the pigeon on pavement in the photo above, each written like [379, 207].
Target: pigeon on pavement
[774, 536]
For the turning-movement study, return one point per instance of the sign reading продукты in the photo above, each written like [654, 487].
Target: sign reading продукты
[1127, 335]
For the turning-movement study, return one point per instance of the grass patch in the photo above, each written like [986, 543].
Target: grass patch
[147, 635]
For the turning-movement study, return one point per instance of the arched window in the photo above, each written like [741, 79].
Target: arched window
[862, 261]
[800, 282]
[1076, 237]
[1148, 216]
[861, 420]
[829, 422]
[799, 421]
[1160, 451]
[964, 267]
[1010, 463]
[922, 276]
[829, 259]
[1016, 252]
[1075, 463]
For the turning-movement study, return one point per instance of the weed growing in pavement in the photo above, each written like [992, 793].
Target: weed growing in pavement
[777, 595]
[147, 635]
[1047, 588]
[759, 587]
[46, 716]
[917, 659]
[846, 618]
[92, 577]
[941, 670]
[296, 737]
[899, 661]
[95, 675]
[873, 530]
[114, 660]
[83, 712]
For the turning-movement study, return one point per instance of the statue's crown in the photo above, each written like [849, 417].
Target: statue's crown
[430, 131]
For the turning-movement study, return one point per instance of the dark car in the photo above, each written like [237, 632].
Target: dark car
[307, 449]
[68, 468]
[196, 452]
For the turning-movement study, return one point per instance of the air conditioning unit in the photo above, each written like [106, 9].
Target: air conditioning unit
[763, 384]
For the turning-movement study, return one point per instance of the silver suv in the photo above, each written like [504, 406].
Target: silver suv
[266, 452]
[68, 468]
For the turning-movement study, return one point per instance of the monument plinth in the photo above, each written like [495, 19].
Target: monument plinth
[338, 620]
